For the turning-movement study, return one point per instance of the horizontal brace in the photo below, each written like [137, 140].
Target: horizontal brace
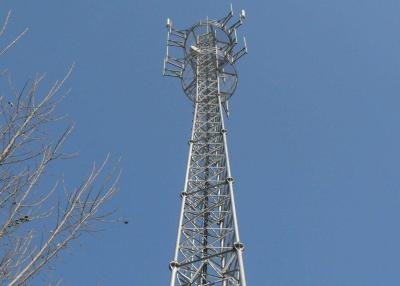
[226, 19]
[173, 67]
[238, 23]
[175, 62]
[173, 73]
[213, 181]
[223, 73]
[209, 228]
[243, 51]
[207, 167]
[205, 258]
[175, 43]
[178, 33]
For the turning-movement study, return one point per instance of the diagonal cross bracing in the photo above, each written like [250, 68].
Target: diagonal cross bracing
[208, 250]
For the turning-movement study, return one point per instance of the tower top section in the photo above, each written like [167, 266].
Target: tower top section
[184, 50]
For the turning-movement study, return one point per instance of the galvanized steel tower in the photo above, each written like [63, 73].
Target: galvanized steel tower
[208, 246]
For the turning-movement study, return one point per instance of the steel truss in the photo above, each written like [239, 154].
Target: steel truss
[208, 247]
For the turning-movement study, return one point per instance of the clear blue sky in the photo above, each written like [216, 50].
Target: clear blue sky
[314, 133]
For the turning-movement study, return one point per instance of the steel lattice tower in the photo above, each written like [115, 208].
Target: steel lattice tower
[208, 247]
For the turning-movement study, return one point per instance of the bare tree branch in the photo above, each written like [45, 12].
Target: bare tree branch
[40, 217]
[16, 39]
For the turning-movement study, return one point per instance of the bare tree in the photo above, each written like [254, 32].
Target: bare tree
[38, 220]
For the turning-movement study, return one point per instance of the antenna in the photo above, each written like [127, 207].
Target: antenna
[169, 23]
[242, 14]
[182, 46]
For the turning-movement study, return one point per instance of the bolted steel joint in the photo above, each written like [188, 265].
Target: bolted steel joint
[229, 180]
[238, 245]
[173, 264]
